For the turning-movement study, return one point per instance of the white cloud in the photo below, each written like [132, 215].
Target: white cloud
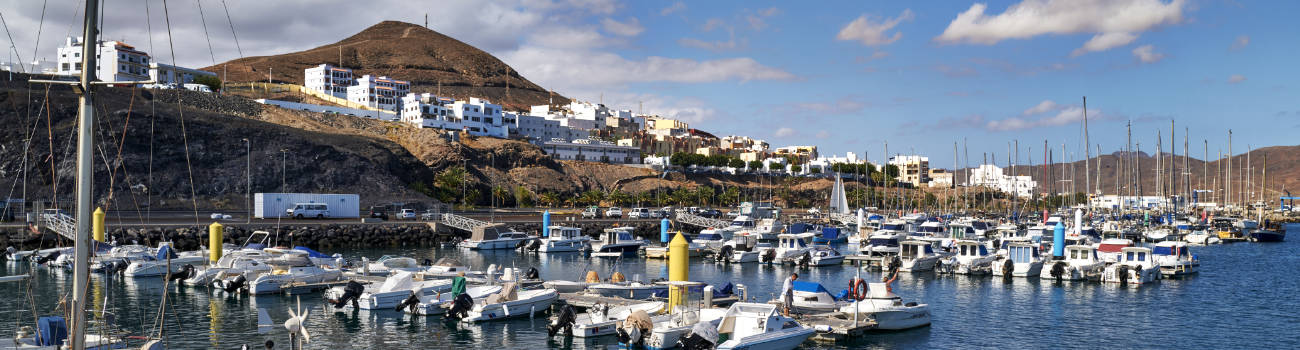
[1236, 78]
[708, 45]
[1148, 54]
[871, 31]
[1109, 19]
[631, 27]
[1241, 42]
[1041, 107]
[823, 134]
[1066, 116]
[784, 132]
[842, 106]
[1103, 42]
[757, 20]
[675, 7]
[711, 24]
[569, 69]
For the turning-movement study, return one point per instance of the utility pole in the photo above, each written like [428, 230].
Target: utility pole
[248, 174]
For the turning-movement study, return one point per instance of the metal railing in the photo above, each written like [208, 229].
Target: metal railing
[842, 218]
[60, 223]
[691, 219]
[462, 222]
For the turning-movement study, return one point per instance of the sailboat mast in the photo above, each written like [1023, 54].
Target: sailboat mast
[85, 174]
[1087, 154]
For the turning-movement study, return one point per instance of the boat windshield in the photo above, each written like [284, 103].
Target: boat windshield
[892, 227]
[931, 229]
[742, 223]
[883, 242]
[709, 237]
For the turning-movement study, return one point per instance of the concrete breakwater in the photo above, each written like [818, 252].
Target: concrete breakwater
[320, 237]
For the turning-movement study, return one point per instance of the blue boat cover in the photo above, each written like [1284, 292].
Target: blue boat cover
[830, 233]
[724, 292]
[875, 217]
[813, 287]
[255, 246]
[844, 293]
[1160, 250]
[54, 330]
[798, 227]
[165, 252]
[311, 253]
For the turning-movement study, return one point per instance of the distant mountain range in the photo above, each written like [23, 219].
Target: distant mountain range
[432, 62]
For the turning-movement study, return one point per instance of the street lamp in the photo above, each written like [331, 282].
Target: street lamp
[248, 175]
[283, 167]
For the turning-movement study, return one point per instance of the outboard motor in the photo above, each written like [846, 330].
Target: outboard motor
[186, 272]
[9, 252]
[532, 274]
[563, 321]
[48, 258]
[805, 259]
[768, 256]
[1058, 271]
[410, 302]
[534, 245]
[724, 254]
[521, 246]
[460, 307]
[351, 292]
[427, 262]
[235, 284]
[1121, 272]
[1008, 269]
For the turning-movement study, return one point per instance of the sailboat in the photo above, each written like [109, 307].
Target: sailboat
[839, 203]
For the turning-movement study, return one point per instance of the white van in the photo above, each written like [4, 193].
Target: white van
[309, 210]
[197, 87]
[639, 213]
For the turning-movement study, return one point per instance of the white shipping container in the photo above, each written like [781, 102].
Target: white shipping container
[272, 205]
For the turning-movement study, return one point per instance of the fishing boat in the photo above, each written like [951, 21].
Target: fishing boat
[1022, 260]
[292, 267]
[1174, 258]
[972, 258]
[1080, 262]
[494, 236]
[616, 242]
[917, 256]
[1135, 267]
[510, 302]
[564, 239]
[887, 309]
[759, 326]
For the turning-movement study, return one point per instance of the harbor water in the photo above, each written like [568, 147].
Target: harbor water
[1244, 296]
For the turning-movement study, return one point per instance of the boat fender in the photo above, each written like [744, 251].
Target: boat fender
[823, 328]
[564, 322]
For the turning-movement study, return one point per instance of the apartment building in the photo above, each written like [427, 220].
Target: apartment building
[116, 61]
[329, 79]
[913, 169]
[989, 175]
[379, 92]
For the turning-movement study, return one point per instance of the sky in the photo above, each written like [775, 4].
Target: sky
[846, 76]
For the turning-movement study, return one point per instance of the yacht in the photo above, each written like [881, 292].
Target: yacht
[1021, 260]
[1174, 259]
[917, 256]
[884, 241]
[972, 258]
[933, 229]
[1134, 267]
[1109, 249]
[888, 310]
[494, 236]
[760, 326]
[824, 255]
[292, 267]
[564, 239]
[615, 242]
[713, 238]
[791, 246]
[1081, 262]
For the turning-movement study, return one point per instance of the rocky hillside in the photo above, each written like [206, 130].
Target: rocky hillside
[429, 60]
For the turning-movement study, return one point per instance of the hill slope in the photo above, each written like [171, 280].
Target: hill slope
[429, 60]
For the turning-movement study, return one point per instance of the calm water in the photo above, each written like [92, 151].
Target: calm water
[1244, 296]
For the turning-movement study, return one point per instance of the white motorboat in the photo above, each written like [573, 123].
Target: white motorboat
[292, 267]
[765, 229]
[1135, 267]
[601, 320]
[1022, 260]
[437, 304]
[122, 256]
[388, 265]
[888, 310]
[246, 262]
[1174, 258]
[494, 236]
[667, 330]
[792, 246]
[1202, 236]
[932, 229]
[884, 242]
[810, 298]
[917, 256]
[822, 255]
[1081, 262]
[972, 258]
[564, 239]
[759, 326]
[714, 238]
[753, 255]
[628, 290]
[1109, 249]
[511, 302]
[616, 242]
[53, 335]
[396, 288]
[693, 249]
[164, 262]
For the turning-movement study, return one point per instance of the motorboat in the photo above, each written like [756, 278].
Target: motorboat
[494, 236]
[972, 258]
[884, 242]
[713, 238]
[291, 267]
[933, 229]
[666, 331]
[830, 235]
[1267, 235]
[1109, 249]
[864, 230]
[510, 302]
[693, 250]
[810, 298]
[1174, 258]
[754, 255]
[791, 246]
[122, 256]
[766, 229]
[166, 261]
[602, 320]
[246, 262]
[53, 335]
[917, 256]
[627, 290]
[824, 255]
[437, 304]
[388, 265]
[1201, 235]
[1081, 262]
[397, 287]
[1134, 267]
[564, 239]
[760, 326]
[616, 242]
[887, 309]
[1022, 260]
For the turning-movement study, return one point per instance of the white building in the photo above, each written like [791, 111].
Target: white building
[382, 92]
[592, 151]
[538, 130]
[329, 79]
[912, 169]
[580, 115]
[116, 61]
[1130, 202]
[430, 111]
[989, 175]
[169, 74]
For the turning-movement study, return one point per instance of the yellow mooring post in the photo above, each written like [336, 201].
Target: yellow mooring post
[215, 231]
[678, 270]
[98, 225]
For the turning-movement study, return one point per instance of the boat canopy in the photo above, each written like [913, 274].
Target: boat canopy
[311, 253]
[487, 232]
[830, 233]
[811, 287]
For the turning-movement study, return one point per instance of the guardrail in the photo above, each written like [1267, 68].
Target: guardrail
[462, 222]
[691, 219]
[61, 223]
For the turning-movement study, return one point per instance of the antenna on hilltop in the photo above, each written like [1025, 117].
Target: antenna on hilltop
[426, 20]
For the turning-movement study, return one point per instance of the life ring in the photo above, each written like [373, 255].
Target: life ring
[858, 289]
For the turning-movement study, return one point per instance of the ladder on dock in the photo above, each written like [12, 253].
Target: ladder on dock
[60, 223]
[462, 222]
[691, 219]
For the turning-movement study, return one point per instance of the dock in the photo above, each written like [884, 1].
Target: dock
[584, 300]
[297, 288]
[871, 262]
[834, 327]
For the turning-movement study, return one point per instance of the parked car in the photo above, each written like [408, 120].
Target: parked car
[379, 212]
[406, 214]
[711, 213]
[591, 213]
[656, 214]
[309, 210]
[614, 212]
[639, 213]
[429, 215]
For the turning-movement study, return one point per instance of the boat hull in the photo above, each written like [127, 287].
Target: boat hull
[1267, 236]
[918, 264]
[784, 339]
[512, 309]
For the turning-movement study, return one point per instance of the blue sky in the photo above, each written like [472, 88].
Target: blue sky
[842, 75]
